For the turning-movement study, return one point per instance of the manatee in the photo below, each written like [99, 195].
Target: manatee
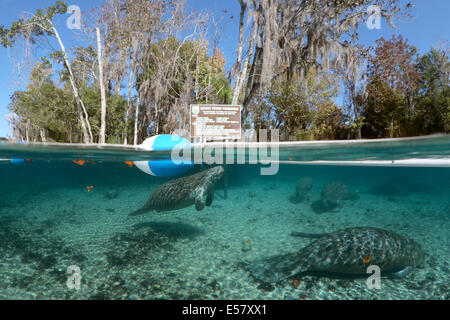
[332, 193]
[303, 187]
[183, 192]
[346, 252]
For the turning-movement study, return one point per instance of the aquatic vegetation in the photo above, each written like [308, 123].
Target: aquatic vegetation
[40, 257]
[133, 248]
[172, 230]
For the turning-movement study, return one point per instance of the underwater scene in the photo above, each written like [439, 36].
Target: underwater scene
[223, 231]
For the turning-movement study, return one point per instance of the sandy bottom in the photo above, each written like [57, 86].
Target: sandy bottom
[204, 255]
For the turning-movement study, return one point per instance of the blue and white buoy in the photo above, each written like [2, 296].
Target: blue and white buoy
[18, 161]
[166, 167]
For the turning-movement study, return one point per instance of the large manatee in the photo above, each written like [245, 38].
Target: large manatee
[183, 192]
[347, 252]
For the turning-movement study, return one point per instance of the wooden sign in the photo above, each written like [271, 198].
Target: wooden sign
[215, 121]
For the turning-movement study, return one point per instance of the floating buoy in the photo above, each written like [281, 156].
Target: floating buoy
[165, 167]
[18, 161]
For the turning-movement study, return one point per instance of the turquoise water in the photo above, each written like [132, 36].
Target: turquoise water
[49, 221]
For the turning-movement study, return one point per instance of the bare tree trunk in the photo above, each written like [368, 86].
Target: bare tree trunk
[136, 120]
[156, 118]
[133, 71]
[352, 88]
[27, 130]
[240, 74]
[196, 79]
[391, 129]
[70, 133]
[42, 134]
[243, 73]
[127, 114]
[87, 133]
[102, 137]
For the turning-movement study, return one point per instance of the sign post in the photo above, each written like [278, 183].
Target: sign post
[215, 121]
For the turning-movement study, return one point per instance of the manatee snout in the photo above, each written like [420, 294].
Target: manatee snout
[216, 173]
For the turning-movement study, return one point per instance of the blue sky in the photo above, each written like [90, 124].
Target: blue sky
[429, 27]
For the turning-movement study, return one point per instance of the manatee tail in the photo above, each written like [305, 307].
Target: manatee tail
[307, 235]
[277, 268]
[140, 211]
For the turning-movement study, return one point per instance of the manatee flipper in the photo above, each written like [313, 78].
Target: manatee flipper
[276, 268]
[400, 273]
[209, 198]
[199, 199]
[199, 204]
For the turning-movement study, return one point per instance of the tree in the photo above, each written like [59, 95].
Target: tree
[45, 110]
[284, 37]
[434, 102]
[302, 109]
[393, 83]
[354, 83]
[41, 25]
[102, 87]
[131, 26]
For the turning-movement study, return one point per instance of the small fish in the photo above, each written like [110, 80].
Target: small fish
[79, 162]
[29, 160]
[89, 188]
[130, 163]
[296, 283]
[367, 258]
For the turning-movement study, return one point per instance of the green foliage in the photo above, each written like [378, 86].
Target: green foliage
[404, 94]
[54, 109]
[304, 110]
[37, 25]
[393, 83]
[434, 100]
[46, 106]
[115, 113]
